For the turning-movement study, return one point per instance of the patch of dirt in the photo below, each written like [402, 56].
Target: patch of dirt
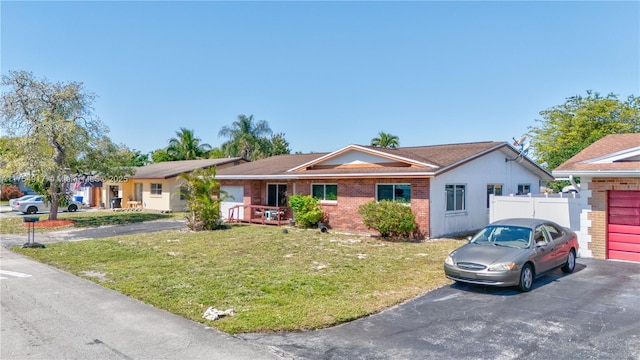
[51, 223]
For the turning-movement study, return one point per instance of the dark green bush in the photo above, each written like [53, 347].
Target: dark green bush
[306, 210]
[390, 218]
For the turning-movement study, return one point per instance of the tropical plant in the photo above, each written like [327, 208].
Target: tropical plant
[306, 210]
[385, 140]
[390, 218]
[246, 138]
[203, 195]
[185, 146]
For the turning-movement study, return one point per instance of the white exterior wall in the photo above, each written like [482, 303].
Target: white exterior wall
[568, 210]
[476, 175]
[237, 198]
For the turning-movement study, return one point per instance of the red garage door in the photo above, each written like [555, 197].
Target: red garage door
[623, 241]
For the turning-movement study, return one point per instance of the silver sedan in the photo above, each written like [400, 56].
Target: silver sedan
[513, 252]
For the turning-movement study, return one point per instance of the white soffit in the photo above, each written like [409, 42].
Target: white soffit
[626, 155]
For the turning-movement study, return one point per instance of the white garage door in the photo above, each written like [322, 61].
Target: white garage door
[236, 198]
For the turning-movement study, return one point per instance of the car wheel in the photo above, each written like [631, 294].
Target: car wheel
[570, 265]
[72, 208]
[32, 210]
[526, 278]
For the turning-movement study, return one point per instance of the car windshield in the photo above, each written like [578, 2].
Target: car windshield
[501, 235]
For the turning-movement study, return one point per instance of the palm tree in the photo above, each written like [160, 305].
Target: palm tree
[385, 140]
[246, 138]
[203, 195]
[186, 146]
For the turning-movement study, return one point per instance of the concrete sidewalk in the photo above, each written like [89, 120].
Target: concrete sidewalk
[50, 314]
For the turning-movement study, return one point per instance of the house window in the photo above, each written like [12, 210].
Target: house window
[455, 197]
[324, 191]
[524, 189]
[495, 189]
[156, 189]
[394, 192]
[183, 192]
[277, 195]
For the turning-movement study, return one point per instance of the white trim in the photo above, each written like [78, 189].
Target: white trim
[325, 191]
[597, 173]
[614, 157]
[322, 176]
[363, 149]
[394, 193]
[464, 192]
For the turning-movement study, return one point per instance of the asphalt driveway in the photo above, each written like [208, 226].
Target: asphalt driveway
[593, 313]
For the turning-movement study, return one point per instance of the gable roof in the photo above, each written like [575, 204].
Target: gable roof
[613, 155]
[367, 161]
[169, 169]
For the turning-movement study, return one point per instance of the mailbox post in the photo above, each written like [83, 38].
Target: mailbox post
[31, 232]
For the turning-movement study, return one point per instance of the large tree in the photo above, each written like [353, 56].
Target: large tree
[60, 136]
[566, 129]
[186, 146]
[246, 138]
[385, 140]
[278, 145]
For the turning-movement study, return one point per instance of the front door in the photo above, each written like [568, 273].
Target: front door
[138, 192]
[277, 195]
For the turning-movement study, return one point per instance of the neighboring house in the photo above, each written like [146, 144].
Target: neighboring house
[156, 186]
[447, 186]
[609, 172]
[84, 188]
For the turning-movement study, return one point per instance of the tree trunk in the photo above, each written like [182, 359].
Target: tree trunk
[55, 200]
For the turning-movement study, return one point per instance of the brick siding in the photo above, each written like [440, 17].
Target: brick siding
[343, 215]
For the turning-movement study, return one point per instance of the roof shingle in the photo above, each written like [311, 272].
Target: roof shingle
[168, 169]
[585, 160]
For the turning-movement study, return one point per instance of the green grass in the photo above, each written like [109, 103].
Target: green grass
[83, 219]
[275, 281]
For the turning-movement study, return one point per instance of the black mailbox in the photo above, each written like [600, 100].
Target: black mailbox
[30, 219]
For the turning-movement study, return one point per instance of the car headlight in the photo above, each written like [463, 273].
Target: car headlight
[502, 266]
[448, 260]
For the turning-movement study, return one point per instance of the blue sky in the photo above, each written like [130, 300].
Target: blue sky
[327, 74]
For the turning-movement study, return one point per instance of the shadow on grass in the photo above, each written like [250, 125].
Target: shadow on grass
[117, 219]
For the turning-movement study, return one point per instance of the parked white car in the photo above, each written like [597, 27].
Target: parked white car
[39, 204]
[571, 189]
[22, 198]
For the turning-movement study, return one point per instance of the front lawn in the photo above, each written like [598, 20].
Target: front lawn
[81, 219]
[275, 281]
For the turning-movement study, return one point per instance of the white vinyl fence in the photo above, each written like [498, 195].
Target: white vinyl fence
[568, 210]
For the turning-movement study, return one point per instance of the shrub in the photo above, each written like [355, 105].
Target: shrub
[10, 192]
[202, 193]
[390, 218]
[306, 210]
